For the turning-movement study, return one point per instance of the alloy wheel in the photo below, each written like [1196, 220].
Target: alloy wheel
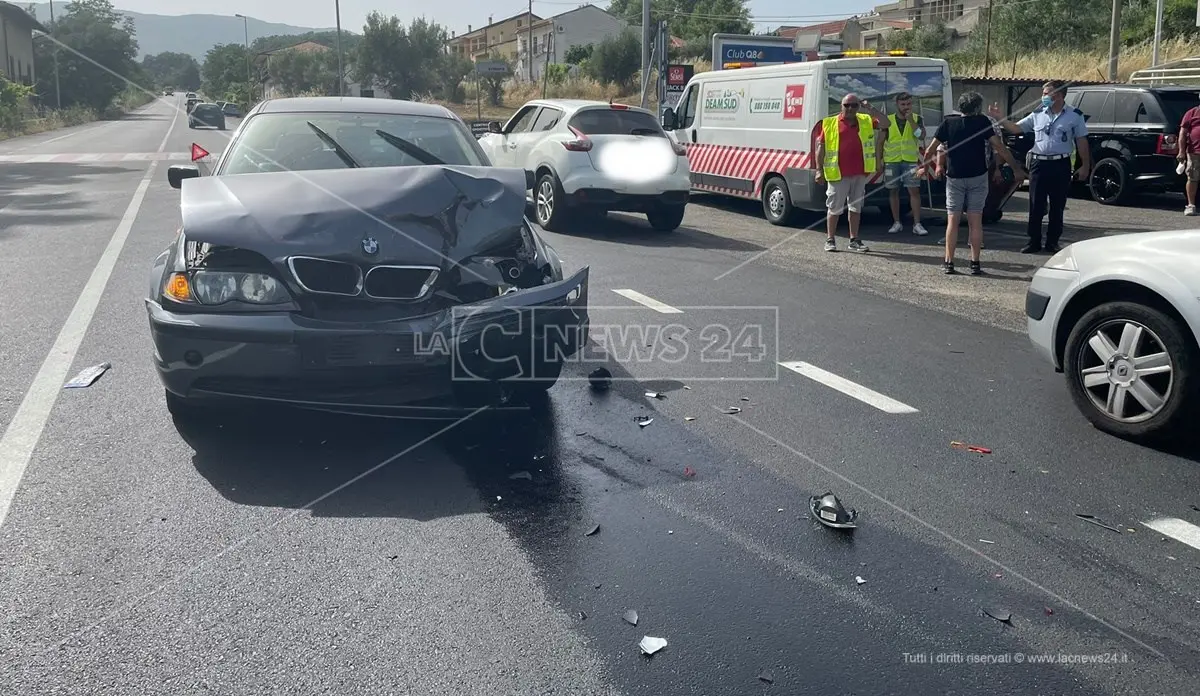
[1126, 371]
[545, 201]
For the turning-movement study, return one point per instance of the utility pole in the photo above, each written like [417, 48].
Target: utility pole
[249, 79]
[529, 48]
[987, 51]
[1158, 22]
[57, 89]
[645, 47]
[1114, 41]
[341, 77]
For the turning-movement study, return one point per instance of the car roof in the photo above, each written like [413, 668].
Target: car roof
[577, 104]
[365, 105]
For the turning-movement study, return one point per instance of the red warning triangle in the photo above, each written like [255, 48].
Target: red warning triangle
[198, 153]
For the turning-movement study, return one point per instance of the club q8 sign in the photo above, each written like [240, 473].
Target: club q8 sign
[793, 101]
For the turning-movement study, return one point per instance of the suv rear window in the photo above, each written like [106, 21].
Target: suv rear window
[1176, 103]
[615, 122]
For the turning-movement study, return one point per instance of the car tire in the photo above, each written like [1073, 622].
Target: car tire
[1109, 181]
[549, 207]
[777, 202]
[1159, 333]
[666, 218]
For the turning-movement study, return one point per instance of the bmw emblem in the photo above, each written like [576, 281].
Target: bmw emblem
[370, 246]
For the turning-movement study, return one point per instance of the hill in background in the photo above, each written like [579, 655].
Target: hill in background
[191, 34]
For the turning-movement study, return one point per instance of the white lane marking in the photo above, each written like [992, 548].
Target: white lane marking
[41, 158]
[1177, 529]
[91, 157]
[851, 389]
[20, 439]
[648, 301]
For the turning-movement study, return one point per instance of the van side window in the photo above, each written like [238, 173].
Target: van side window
[687, 107]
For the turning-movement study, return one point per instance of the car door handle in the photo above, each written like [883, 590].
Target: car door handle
[693, 134]
[512, 146]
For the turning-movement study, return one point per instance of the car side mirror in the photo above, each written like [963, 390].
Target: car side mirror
[176, 173]
[495, 127]
[669, 120]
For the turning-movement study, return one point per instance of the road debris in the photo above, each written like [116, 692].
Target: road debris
[689, 472]
[987, 541]
[977, 449]
[631, 617]
[651, 645]
[766, 676]
[829, 511]
[88, 376]
[689, 418]
[582, 616]
[643, 421]
[687, 387]
[745, 398]
[859, 579]
[732, 410]
[522, 475]
[1001, 615]
[655, 395]
[1092, 519]
[592, 532]
[600, 379]
[1049, 611]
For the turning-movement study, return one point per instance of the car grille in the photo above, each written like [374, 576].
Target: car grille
[399, 282]
[326, 277]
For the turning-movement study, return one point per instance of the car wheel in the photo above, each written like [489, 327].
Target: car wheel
[777, 202]
[665, 218]
[1109, 182]
[1130, 369]
[532, 383]
[548, 203]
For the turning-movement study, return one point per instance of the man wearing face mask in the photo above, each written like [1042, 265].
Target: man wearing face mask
[1058, 131]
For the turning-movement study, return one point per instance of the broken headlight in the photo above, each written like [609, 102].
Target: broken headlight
[212, 275]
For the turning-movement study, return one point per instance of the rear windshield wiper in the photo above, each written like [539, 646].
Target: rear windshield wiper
[338, 149]
[411, 149]
[644, 131]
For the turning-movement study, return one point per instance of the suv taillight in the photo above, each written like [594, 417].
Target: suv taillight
[581, 142]
[1168, 144]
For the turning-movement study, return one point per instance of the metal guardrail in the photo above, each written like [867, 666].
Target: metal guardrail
[1182, 71]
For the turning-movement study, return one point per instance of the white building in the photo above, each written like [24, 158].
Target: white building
[554, 36]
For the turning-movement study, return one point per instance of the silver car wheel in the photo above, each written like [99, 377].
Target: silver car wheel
[775, 201]
[545, 201]
[1124, 359]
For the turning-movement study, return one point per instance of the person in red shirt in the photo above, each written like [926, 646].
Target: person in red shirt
[848, 191]
[1189, 155]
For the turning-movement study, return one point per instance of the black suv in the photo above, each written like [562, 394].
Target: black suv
[1132, 132]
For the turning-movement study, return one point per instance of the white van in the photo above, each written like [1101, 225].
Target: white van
[751, 132]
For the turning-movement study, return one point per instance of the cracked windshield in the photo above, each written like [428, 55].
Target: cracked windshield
[630, 347]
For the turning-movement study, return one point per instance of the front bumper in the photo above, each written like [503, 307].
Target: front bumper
[290, 358]
[1045, 298]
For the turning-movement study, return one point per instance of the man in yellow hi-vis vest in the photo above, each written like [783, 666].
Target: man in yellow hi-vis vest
[849, 151]
[901, 159]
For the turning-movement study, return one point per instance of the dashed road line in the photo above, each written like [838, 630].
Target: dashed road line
[1177, 529]
[851, 389]
[648, 301]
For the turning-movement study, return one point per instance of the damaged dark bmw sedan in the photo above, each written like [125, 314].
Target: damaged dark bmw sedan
[358, 256]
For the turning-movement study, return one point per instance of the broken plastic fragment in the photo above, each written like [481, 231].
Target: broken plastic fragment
[522, 475]
[999, 615]
[859, 579]
[631, 617]
[766, 676]
[745, 398]
[689, 418]
[977, 449]
[582, 616]
[651, 645]
[987, 542]
[1049, 611]
[645, 422]
[88, 376]
[829, 511]
[732, 410]
[689, 471]
[656, 395]
[1096, 521]
[593, 531]
[687, 387]
[600, 379]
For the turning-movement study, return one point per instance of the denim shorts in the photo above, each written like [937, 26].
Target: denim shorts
[899, 174]
[966, 195]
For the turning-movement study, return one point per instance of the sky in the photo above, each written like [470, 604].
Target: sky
[457, 14]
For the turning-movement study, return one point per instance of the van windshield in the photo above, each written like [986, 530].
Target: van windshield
[881, 85]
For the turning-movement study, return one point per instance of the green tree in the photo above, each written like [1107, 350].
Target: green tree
[178, 70]
[407, 60]
[453, 69]
[616, 60]
[493, 85]
[925, 40]
[325, 38]
[96, 61]
[1020, 27]
[694, 21]
[1137, 20]
[224, 67]
[302, 72]
[578, 55]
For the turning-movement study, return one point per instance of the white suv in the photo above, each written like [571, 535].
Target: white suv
[593, 156]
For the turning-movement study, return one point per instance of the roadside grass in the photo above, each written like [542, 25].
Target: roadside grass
[55, 119]
[1075, 65]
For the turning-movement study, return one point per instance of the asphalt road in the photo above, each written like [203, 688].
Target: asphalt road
[283, 552]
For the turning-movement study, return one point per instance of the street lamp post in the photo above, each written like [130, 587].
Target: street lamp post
[57, 89]
[341, 77]
[249, 78]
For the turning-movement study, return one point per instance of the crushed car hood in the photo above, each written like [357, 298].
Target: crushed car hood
[426, 215]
